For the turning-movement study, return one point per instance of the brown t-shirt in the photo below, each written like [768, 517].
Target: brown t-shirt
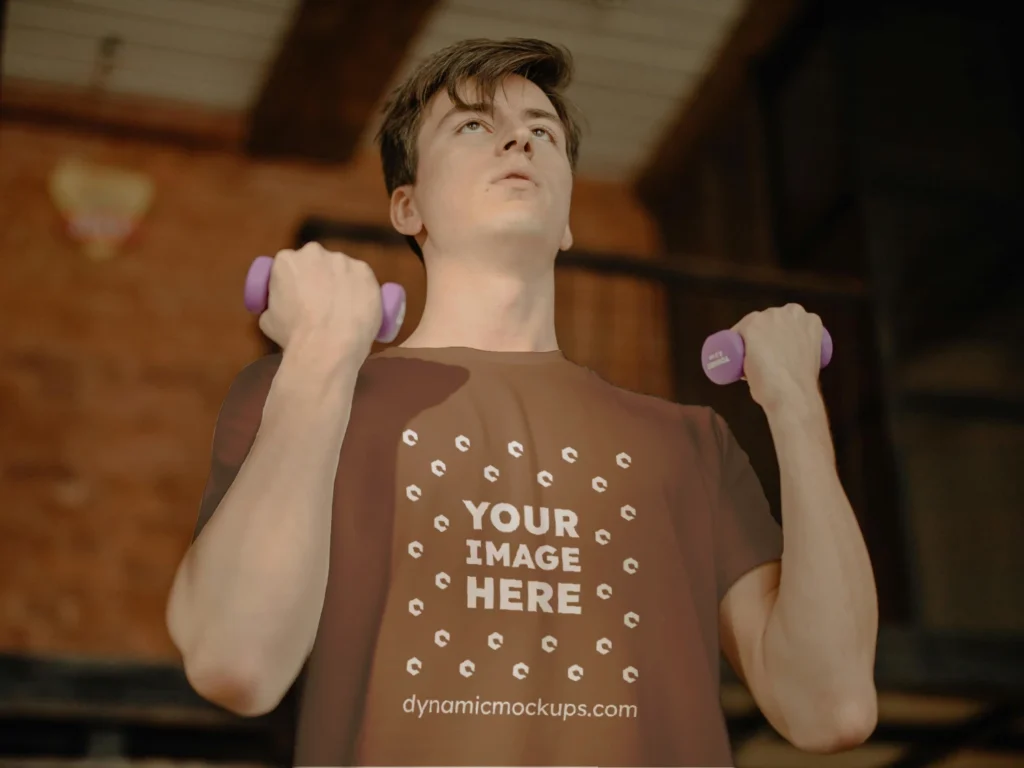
[526, 566]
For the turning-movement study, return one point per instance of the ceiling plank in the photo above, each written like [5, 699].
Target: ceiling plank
[143, 118]
[328, 79]
[761, 23]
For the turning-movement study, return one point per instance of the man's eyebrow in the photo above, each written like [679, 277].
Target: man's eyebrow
[533, 113]
[465, 108]
[541, 114]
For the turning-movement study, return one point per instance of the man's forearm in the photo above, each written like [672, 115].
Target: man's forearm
[247, 599]
[819, 644]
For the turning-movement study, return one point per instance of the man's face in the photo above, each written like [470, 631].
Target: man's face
[490, 175]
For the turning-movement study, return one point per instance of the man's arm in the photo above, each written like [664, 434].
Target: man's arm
[803, 635]
[246, 600]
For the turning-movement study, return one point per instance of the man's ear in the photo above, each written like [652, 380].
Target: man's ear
[405, 216]
[566, 243]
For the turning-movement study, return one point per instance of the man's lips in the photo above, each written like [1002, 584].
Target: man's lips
[521, 175]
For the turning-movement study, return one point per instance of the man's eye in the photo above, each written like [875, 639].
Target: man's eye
[472, 124]
[547, 132]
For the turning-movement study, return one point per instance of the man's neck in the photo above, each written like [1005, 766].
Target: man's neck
[470, 307]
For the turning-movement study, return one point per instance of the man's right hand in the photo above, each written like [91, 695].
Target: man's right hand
[325, 294]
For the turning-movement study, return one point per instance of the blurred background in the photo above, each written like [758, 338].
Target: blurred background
[859, 157]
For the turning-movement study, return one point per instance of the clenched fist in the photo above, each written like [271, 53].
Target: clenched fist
[783, 354]
[324, 295]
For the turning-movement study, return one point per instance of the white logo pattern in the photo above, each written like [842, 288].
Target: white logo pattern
[495, 640]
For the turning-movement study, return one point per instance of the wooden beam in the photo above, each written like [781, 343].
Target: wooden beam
[674, 270]
[761, 24]
[336, 62]
[122, 116]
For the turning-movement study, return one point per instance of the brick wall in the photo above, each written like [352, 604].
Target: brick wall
[111, 374]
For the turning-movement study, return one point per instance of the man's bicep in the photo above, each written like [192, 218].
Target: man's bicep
[748, 550]
[235, 432]
[743, 620]
[217, 483]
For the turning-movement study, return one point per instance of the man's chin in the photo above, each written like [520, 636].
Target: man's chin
[524, 223]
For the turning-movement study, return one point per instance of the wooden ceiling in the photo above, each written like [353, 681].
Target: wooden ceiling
[308, 76]
[637, 61]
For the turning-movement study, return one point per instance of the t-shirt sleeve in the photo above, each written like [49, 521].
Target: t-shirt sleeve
[745, 533]
[235, 432]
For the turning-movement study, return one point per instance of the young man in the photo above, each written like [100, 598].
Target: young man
[478, 553]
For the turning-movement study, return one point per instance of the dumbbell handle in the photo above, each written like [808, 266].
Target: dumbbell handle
[257, 295]
[722, 355]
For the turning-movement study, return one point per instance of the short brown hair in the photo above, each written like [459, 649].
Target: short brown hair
[487, 63]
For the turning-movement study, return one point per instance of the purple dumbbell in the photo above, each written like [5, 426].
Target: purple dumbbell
[722, 355]
[392, 295]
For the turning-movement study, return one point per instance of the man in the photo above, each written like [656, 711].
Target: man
[477, 553]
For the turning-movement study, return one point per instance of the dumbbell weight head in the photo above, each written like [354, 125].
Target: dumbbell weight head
[257, 284]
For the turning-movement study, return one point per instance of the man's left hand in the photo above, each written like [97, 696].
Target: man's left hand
[782, 356]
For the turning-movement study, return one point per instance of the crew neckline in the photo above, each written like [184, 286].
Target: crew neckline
[473, 355]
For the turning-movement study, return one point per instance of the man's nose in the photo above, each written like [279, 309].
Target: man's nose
[519, 138]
